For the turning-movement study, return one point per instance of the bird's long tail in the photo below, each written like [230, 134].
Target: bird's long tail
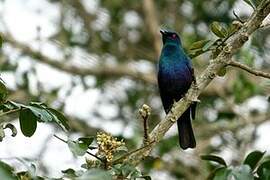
[185, 132]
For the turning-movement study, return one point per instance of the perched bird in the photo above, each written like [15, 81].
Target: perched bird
[175, 75]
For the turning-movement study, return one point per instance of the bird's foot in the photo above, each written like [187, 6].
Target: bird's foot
[195, 85]
[173, 119]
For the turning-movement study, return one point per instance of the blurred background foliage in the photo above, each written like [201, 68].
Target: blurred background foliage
[110, 48]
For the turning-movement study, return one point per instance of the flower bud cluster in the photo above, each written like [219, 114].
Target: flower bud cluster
[107, 145]
[145, 111]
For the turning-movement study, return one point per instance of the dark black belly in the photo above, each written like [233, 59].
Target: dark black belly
[173, 85]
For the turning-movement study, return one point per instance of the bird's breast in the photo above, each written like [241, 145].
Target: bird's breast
[175, 77]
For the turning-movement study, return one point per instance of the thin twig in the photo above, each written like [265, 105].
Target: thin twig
[104, 71]
[131, 152]
[249, 69]
[9, 112]
[145, 112]
[102, 160]
[145, 126]
[60, 138]
[237, 17]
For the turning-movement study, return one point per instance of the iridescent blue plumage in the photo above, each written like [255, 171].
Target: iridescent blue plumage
[175, 75]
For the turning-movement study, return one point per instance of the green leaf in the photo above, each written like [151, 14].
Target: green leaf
[95, 174]
[3, 92]
[201, 47]
[135, 175]
[265, 175]
[243, 172]
[9, 105]
[78, 149]
[1, 41]
[263, 167]
[71, 173]
[116, 169]
[198, 44]
[218, 29]
[213, 173]
[12, 128]
[232, 28]
[214, 158]
[28, 122]
[2, 133]
[86, 140]
[208, 45]
[127, 169]
[59, 118]
[222, 72]
[222, 174]
[253, 159]
[195, 53]
[6, 172]
[42, 114]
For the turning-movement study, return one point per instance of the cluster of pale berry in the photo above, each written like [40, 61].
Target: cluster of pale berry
[107, 145]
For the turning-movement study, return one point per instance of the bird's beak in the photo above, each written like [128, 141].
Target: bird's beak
[162, 31]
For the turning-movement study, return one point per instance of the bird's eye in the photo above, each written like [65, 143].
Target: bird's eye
[174, 36]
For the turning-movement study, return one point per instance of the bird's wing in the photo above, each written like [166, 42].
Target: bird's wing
[166, 97]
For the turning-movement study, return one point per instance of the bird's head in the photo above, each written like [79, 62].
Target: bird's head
[170, 36]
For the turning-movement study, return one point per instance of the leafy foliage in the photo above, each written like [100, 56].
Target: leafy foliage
[250, 169]
[214, 158]
[80, 146]
[6, 171]
[3, 92]
[30, 114]
[253, 159]
[218, 29]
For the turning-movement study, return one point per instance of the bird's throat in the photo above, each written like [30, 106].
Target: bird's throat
[170, 49]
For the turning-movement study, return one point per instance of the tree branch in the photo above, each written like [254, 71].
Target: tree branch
[211, 129]
[152, 23]
[104, 71]
[101, 71]
[234, 43]
[249, 69]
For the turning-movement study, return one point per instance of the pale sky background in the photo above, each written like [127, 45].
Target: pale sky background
[22, 20]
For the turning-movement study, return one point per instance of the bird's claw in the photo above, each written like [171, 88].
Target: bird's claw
[173, 119]
[196, 100]
[196, 87]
